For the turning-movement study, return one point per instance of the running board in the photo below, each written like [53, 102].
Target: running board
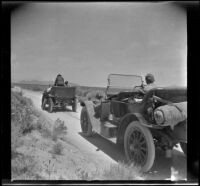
[104, 128]
[108, 130]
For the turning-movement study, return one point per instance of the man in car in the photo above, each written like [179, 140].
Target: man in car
[149, 78]
[59, 81]
[67, 84]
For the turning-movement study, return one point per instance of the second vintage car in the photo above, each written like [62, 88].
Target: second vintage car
[59, 97]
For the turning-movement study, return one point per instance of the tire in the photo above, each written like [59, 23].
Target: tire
[51, 104]
[43, 103]
[139, 146]
[74, 106]
[184, 147]
[85, 123]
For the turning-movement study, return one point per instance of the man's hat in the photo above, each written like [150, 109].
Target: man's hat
[150, 77]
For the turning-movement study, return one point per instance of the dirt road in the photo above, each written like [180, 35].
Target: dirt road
[103, 152]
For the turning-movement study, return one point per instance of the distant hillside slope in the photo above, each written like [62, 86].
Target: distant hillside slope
[37, 82]
[81, 91]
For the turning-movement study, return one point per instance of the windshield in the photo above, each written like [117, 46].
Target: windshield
[121, 82]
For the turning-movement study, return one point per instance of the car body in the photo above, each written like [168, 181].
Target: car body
[59, 97]
[130, 117]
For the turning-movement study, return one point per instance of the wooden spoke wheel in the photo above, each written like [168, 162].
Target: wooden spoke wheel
[85, 123]
[139, 146]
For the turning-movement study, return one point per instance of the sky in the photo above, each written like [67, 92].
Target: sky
[85, 42]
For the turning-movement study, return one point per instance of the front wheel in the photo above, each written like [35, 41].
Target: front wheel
[139, 146]
[85, 123]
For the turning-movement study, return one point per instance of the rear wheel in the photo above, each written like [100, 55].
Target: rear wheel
[184, 147]
[44, 100]
[50, 105]
[139, 146]
[85, 123]
[74, 106]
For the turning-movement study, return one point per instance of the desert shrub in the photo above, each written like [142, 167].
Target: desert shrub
[17, 89]
[58, 149]
[24, 119]
[43, 126]
[37, 88]
[34, 87]
[80, 92]
[21, 120]
[59, 130]
[22, 113]
[122, 172]
[95, 94]
[15, 138]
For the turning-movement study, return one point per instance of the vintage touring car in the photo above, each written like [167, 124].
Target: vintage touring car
[59, 97]
[138, 121]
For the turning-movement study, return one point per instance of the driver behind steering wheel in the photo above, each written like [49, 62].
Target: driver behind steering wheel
[149, 78]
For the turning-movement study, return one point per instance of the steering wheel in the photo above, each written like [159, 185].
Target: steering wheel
[140, 89]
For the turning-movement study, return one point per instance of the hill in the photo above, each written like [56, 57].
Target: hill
[38, 82]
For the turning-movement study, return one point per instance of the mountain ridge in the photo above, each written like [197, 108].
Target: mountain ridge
[38, 82]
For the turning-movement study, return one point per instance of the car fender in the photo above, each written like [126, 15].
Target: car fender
[95, 122]
[126, 120]
[46, 95]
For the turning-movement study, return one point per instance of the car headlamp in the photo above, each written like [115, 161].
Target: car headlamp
[159, 117]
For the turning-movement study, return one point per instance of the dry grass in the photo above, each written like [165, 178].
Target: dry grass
[59, 130]
[57, 149]
[25, 119]
[122, 172]
[44, 127]
[23, 168]
[22, 118]
[118, 171]
[95, 95]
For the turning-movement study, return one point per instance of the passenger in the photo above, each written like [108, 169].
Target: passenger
[67, 84]
[59, 80]
[49, 89]
[149, 78]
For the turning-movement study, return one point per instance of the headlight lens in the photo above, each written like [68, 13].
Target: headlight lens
[159, 117]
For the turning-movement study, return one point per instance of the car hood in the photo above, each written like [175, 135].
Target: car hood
[174, 94]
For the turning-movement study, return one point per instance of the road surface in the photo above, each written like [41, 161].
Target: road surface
[104, 152]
